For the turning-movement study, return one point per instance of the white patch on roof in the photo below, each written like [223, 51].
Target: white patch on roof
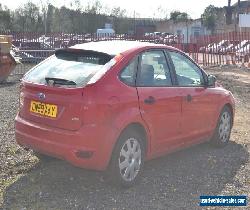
[112, 47]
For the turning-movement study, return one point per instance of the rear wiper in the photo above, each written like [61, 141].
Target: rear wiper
[52, 81]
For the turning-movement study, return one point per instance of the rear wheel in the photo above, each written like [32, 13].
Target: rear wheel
[127, 160]
[223, 130]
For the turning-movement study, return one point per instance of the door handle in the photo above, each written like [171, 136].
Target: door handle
[149, 100]
[189, 98]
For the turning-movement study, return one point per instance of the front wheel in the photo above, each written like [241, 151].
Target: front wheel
[127, 160]
[223, 130]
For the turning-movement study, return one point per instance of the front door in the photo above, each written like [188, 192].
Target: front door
[197, 100]
[159, 102]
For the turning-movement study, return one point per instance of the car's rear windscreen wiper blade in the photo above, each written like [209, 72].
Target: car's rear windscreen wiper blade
[58, 81]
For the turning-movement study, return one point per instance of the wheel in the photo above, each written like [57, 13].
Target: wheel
[223, 129]
[42, 157]
[127, 160]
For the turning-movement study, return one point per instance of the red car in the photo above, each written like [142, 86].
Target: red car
[114, 104]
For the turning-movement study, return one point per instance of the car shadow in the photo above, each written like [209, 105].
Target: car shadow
[172, 182]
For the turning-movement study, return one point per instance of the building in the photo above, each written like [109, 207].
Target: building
[242, 8]
[188, 29]
[228, 17]
[144, 25]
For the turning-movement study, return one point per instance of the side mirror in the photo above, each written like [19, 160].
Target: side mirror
[211, 79]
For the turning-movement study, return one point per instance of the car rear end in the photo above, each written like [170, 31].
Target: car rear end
[54, 100]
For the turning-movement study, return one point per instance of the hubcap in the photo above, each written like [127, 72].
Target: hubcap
[225, 126]
[130, 159]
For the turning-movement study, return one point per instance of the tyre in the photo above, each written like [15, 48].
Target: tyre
[127, 160]
[223, 129]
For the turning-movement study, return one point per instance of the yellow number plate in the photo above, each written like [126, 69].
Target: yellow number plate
[43, 109]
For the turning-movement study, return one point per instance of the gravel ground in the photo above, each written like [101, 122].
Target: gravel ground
[172, 182]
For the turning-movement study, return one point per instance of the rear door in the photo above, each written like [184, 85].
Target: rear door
[198, 101]
[159, 103]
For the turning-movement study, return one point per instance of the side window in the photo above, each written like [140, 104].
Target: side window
[154, 70]
[188, 74]
[128, 73]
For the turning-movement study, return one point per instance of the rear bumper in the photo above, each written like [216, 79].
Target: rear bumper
[65, 144]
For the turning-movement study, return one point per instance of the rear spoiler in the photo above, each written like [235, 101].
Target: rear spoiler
[73, 54]
[75, 51]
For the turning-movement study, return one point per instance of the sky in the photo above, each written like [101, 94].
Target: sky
[142, 8]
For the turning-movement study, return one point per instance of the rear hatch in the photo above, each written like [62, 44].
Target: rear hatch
[52, 93]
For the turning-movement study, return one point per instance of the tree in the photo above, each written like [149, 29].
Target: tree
[178, 16]
[5, 17]
[49, 18]
[27, 18]
[94, 8]
[209, 18]
[45, 5]
[174, 15]
[118, 16]
[118, 12]
[161, 13]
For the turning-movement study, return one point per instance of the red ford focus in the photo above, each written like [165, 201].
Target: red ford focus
[114, 104]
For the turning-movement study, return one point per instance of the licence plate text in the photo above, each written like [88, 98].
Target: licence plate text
[43, 109]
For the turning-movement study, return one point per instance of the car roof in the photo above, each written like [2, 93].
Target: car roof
[114, 47]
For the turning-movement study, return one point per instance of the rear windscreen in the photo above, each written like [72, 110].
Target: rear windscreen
[70, 68]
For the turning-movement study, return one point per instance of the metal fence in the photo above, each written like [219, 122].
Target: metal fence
[228, 48]
[222, 49]
[38, 41]
[32, 48]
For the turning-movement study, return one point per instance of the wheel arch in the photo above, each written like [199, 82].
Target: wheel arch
[140, 129]
[137, 127]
